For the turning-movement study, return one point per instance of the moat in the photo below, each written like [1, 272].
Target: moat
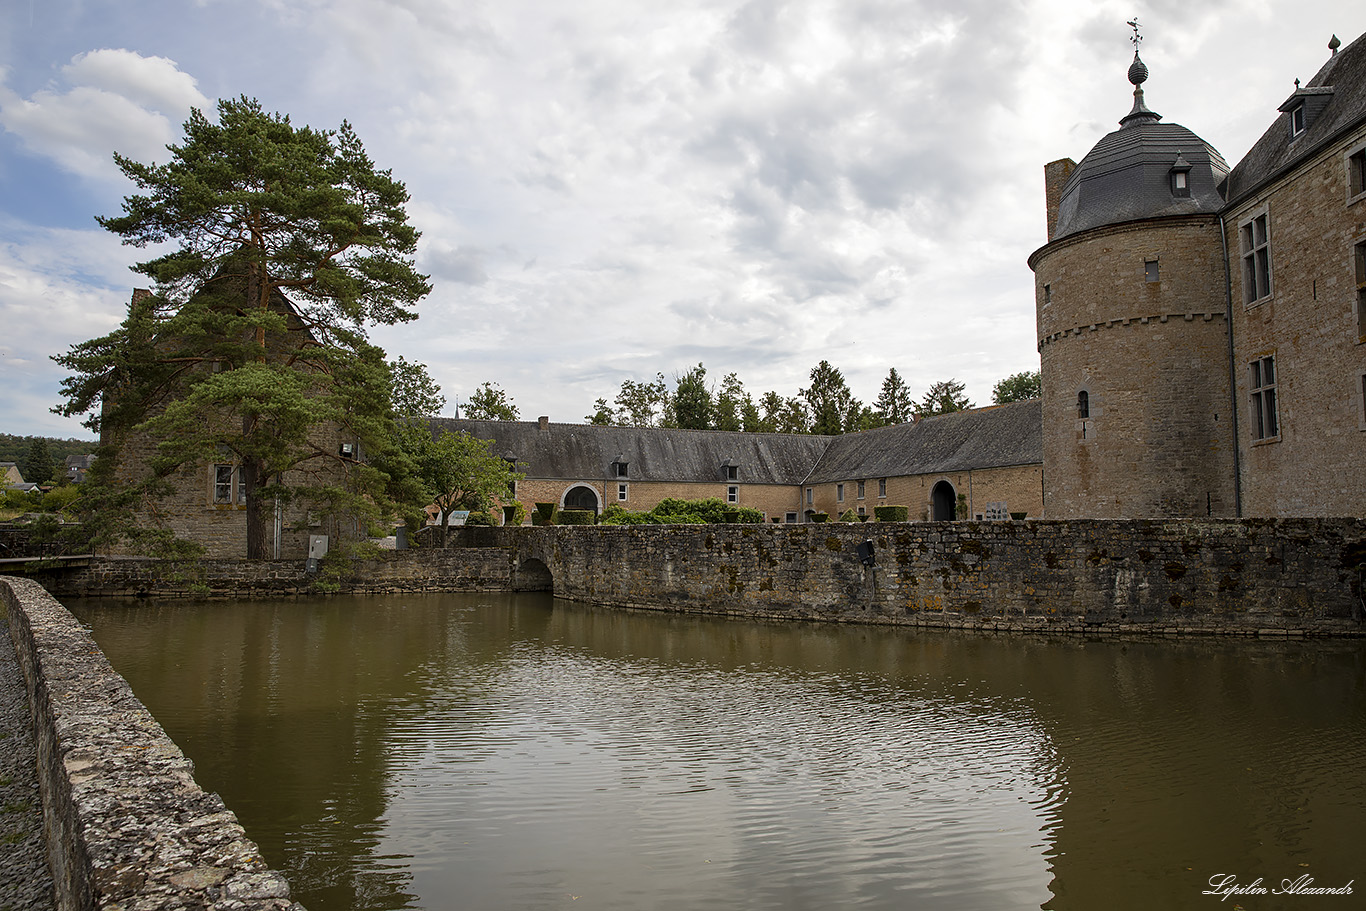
[520, 752]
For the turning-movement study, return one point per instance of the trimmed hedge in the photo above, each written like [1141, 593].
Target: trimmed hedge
[892, 513]
[578, 517]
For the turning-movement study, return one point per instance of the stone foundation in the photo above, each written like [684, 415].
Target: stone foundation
[126, 825]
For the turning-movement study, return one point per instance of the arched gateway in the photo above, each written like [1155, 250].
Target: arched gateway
[943, 502]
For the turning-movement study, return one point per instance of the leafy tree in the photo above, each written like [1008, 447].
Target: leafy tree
[37, 466]
[461, 472]
[219, 361]
[833, 406]
[692, 404]
[894, 405]
[412, 391]
[642, 404]
[792, 417]
[602, 415]
[944, 397]
[1018, 387]
[490, 403]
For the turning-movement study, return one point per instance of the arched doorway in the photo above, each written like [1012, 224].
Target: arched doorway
[581, 498]
[532, 576]
[943, 502]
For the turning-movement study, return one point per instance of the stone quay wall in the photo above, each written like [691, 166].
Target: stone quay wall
[126, 825]
[1240, 577]
[1223, 576]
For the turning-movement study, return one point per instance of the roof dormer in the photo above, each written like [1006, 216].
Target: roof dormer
[1304, 106]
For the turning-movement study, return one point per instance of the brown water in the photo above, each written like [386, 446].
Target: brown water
[514, 752]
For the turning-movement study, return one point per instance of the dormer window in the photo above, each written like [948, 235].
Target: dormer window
[1304, 106]
[730, 470]
[1296, 121]
[1180, 176]
[620, 468]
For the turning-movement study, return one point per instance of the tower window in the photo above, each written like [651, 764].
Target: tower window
[1047, 294]
[1360, 257]
[1150, 271]
[1263, 385]
[1083, 404]
[1256, 259]
[1356, 173]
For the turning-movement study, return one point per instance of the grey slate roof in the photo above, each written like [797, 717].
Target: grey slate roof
[1345, 72]
[587, 451]
[994, 437]
[1126, 178]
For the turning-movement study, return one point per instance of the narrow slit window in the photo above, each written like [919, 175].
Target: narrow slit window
[1083, 404]
[1265, 425]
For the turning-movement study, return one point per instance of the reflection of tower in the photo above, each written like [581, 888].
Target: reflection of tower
[1132, 324]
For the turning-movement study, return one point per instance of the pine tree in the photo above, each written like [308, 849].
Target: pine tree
[290, 243]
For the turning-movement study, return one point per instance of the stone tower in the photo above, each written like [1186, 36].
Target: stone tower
[1132, 326]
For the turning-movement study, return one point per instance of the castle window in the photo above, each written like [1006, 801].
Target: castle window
[1150, 271]
[808, 496]
[1356, 173]
[621, 491]
[1083, 404]
[839, 493]
[732, 494]
[732, 472]
[1361, 290]
[1256, 259]
[861, 489]
[1263, 386]
[882, 487]
[619, 468]
[1296, 121]
[1180, 175]
[1047, 295]
[222, 483]
[863, 510]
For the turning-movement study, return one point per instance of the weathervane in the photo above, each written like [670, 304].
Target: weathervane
[1136, 39]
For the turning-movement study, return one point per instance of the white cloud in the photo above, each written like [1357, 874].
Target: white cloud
[114, 100]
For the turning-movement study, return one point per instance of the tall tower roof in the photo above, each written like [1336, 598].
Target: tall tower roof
[1130, 174]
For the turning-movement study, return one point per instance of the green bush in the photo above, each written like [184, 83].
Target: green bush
[577, 517]
[849, 516]
[1018, 515]
[546, 511]
[820, 517]
[892, 513]
[479, 518]
[58, 499]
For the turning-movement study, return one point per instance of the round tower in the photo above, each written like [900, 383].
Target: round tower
[1132, 326]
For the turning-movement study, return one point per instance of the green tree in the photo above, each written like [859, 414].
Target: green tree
[944, 397]
[602, 415]
[460, 472]
[641, 404]
[894, 404]
[833, 407]
[490, 403]
[220, 361]
[1018, 387]
[692, 403]
[38, 464]
[734, 408]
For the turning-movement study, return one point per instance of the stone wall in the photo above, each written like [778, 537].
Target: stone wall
[126, 825]
[1310, 324]
[1227, 576]
[1272, 577]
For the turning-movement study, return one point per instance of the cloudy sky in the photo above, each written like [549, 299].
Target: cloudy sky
[607, 189]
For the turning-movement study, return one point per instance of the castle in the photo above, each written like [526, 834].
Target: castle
[1201, 329]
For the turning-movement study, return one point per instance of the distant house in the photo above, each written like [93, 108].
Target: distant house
[12, 479]
[989, 461]
[77, 466]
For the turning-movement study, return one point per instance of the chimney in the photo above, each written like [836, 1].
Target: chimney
[1055, 174]
[543, 422]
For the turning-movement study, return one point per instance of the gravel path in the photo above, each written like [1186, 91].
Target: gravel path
[25, 881]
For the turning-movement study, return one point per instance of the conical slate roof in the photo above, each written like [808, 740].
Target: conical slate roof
[1128, 175]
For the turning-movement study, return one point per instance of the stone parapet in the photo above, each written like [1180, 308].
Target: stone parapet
[127, 827]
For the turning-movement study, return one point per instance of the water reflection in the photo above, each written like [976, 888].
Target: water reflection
[513, 752]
